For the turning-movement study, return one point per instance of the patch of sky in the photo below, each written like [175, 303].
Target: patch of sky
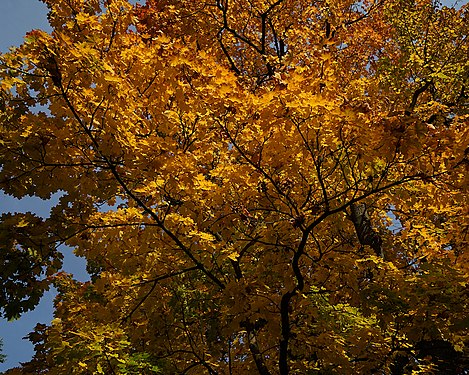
[456, 4]
[105, 207]
[15, 347]
[396, 225]
[42, 208]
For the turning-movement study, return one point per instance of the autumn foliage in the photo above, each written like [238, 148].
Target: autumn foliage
[257, 186]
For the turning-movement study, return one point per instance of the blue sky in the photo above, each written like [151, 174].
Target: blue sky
[17, 17]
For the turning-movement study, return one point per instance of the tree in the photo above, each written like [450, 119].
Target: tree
[257, 186]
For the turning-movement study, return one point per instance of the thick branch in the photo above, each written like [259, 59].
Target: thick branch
[254, 347]
[366, 234]
[415, 97]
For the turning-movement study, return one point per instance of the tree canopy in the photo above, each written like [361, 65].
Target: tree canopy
[258, 186]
